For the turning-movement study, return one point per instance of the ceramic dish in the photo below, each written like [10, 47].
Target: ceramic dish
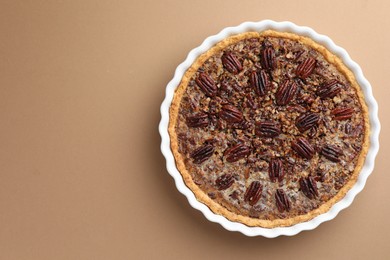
[282, 27]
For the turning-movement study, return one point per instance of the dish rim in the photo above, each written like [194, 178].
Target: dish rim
[332, 47]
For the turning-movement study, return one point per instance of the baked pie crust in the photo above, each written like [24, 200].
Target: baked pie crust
[269, 128]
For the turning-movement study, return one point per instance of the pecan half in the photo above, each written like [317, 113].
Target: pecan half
[306, 121]
[231, 63]
[231, 114]
[206, 84]
[332, 153]
[198, 120]
[275, 170]
[260, 82]
[236, 152]
[253, 193]
[282, 201]
[267, 58]
[329, 89]
[267, 129]
[303, 148]
[202, 153]
[308, 187]
[342, 113]
[305, 68]
[224, 181]
[286, 92]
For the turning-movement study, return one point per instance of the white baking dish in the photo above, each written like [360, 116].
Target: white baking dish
[285, 27]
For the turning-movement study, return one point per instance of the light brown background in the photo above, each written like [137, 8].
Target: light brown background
[81, 174]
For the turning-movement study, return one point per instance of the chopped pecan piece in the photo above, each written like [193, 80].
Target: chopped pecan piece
[329, 89]
[275, 170]
[253, 193]
[198, 120]
[206, 84]
[307, 121]
[267, 58]
[267, 129]
[332, 153]
[309, 187]
[342, 113]
[224, 181]
[231, 63]
[236, 152]
[202, 153]
[348, 128]
[242, 125]
[303, 148]
[305, 99]
[260, 82]
[286, 92]
[250, 102]
[282, 201]
[212, 195]
[297, 108]
[305, 68]
[234, 195]
[312, 132]
[231, 114]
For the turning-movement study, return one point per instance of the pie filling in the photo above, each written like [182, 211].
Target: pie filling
[269, 129]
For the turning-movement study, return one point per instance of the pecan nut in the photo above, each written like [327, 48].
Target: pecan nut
[329, 89]
[260, 82]
[286, 92]
[243, 125]
[348, 128]
[303, 148]
[305, 68]
[282, 201]
[342, 113]
[267, 58]
[296, 107]
[253, 193]
[267, 129]
[202, 153]
[236, 152]
[332, 153]
[305, 99]
[224, 181]
[275, 170]
[309, 187]
[231, 114]
[198, 120]
[250, 102]
[231, 63]
[306, 121]
[206, 84]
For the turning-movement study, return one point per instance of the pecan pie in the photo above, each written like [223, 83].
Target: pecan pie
[269, 128]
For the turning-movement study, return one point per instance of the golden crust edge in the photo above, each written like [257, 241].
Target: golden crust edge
[219, 209]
